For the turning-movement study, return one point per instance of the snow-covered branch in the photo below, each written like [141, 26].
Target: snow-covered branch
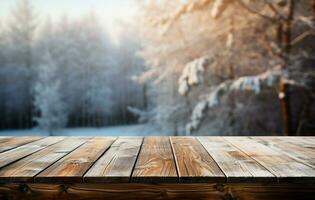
[192, 74]
[246, 83]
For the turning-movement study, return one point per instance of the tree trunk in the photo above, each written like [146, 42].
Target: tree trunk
[284, 97]
[284, 37]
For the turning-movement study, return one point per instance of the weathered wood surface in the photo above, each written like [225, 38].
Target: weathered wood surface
[72, 167]
[301, 149]
[117, 163]
[25, 169]
[194, 164]
[285, 167]
[156, 162]
[136, 160]
[13, 155]
[10, 142]
[236, 165]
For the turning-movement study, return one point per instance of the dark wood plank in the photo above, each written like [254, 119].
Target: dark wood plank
[236, 165]
[302, 149]
[129, 191]
[283, 166]
[25, 169]
[155, 162]
[72, 167]
[117, 163]
[13, 142]
[15, 154]
[193, 162]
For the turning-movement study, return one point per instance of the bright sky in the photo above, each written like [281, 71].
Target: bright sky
[108, 10]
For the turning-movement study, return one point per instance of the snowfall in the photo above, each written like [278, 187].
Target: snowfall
[130, 130]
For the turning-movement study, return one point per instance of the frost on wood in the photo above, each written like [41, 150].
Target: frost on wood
[192, 75]
[246, 83]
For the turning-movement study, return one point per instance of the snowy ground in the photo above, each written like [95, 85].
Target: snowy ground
[133, 130]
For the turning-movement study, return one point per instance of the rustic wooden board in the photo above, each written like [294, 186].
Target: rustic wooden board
[302, 149]
[236, 165]
[117, 163]
[12, 155]
[193, 162]
[72, 167]
[286, 168]
[155, 162]
[130, 191]
[8, 143]
[25, 169]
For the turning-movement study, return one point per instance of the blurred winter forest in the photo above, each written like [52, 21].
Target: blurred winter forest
[193, 67]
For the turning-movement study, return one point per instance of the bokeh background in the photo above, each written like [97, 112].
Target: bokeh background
[145, 67]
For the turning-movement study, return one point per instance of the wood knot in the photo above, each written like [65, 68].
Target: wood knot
[24, 188]
[63, 188]
[219, 187]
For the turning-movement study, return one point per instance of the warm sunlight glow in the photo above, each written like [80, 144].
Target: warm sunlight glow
[109, 11]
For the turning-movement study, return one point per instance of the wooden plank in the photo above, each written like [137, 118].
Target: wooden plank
[283, 166]
[155, 162]
[25, 169]
[12, 155]
[117, 163]
[236, 165]
[135, 191]
[13, 142]
[193, 162]
[302, 149]
[72, 167]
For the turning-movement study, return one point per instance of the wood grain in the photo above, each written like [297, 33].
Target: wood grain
[25, 169]
[302, 149]
[12, 155]
[128, 191]
[69, 160]
[71, 168]
[193, 162]
[155, 162]
[117, 163]
[283, 166]
[236, 165]
[13, 142]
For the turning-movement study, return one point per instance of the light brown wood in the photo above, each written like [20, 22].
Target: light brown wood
[283, 166]
[193, 162]
[159, 159]
[302, 149]
[117, 163]
[236, 165]
[13, 142]
[155, 162]
[25, 169]
[129, 191]
[71, 168]
[12, 155]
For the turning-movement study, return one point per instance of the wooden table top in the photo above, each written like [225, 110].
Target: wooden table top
[157, 159]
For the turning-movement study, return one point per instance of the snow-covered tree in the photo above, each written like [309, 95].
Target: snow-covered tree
[222, 31]
[48, 99]
[21, 33]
